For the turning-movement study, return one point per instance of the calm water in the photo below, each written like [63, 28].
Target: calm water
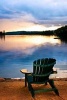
[18, 52]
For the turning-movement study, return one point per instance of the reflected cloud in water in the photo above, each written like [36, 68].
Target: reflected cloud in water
[17, 52]
[26, 44]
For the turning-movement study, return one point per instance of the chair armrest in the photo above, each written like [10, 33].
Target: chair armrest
[25, 71]
[54, 70]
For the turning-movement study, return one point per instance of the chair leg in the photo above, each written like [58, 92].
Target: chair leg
[45, 83]
[31, 89]
[51, 82]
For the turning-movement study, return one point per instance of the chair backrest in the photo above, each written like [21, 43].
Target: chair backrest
[42, 68]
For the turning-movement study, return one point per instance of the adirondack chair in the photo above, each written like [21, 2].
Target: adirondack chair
[42, 68]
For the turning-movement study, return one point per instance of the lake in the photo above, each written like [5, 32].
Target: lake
[19, 51]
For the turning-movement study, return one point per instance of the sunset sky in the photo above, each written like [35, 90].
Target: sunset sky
[32, 15]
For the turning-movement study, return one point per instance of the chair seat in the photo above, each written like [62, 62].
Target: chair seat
[31, 80]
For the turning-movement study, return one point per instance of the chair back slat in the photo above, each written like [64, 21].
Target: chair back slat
[41, 67]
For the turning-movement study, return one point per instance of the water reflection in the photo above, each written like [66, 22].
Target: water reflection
[17, 52]
[27, 43]
[2, 37]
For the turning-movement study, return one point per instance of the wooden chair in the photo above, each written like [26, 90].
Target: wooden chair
[42, 68]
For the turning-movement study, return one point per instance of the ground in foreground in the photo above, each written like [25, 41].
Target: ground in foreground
[15, 90]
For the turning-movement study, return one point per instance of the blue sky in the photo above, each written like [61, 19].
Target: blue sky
[32, 14]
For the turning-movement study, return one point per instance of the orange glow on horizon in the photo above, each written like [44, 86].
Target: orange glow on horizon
[19, 25]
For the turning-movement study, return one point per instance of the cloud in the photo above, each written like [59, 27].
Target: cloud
[45, 12]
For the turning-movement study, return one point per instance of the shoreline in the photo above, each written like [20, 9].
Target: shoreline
[23, 79]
